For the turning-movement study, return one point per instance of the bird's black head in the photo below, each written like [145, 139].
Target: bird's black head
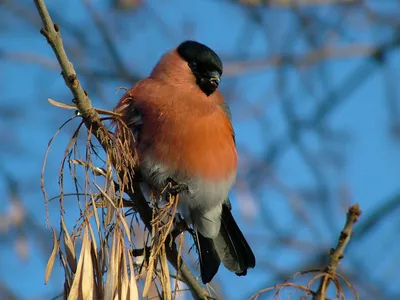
[204, 63]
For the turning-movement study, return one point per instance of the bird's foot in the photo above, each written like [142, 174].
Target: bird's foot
[176, 188]
[179, 225]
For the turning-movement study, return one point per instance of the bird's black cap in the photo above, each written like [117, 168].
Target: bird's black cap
[203, 56]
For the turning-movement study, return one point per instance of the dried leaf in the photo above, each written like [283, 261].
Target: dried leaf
[149, 277]
[69, 247]
[71, 106]
[126, 228]
[99, 171]
[78, 162]
[60, 104]
[104, 194]
[165, 280]
[93, 240]
[95, 170]
[110, 206]
[124, 288]
[152, 259]
[69, 277]
[87, 283]
[50, 262]
[76, 284]
[112, 270]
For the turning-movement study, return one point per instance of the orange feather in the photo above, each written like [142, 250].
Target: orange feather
[182, 128]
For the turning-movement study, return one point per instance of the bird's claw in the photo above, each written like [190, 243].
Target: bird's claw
[176, 188]
[179, 226]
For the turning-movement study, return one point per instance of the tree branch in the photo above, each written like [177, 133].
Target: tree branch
[338, 253]
[93, 122]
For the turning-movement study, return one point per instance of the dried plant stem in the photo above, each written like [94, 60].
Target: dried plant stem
[327, 274]
[338, 253]
[94, 124]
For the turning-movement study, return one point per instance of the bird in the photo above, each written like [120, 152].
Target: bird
[182, 129]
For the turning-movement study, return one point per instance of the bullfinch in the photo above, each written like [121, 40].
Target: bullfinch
[183, 132]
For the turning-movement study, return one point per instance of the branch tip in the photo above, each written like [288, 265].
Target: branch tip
[337, 254]
[355, 211]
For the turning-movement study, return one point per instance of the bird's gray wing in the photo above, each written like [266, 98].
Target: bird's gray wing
[228, 113]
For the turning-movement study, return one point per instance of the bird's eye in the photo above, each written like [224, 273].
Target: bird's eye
[193, 65]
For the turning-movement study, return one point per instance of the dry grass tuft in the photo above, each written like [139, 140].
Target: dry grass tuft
[108, 253]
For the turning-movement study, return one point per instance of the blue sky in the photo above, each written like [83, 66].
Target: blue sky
[367, 146]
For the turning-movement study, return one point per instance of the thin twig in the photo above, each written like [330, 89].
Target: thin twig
[338, 253]
[93, 122]
[329, 273]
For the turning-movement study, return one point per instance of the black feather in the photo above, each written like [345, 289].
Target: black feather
[208, 257]
[201, 55]
[239, 250]
[230, 247]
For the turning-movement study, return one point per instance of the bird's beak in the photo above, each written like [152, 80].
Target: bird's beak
[209, 82]
[215, 79]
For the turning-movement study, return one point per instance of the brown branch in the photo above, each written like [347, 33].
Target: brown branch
[93, 123]
[338, 253]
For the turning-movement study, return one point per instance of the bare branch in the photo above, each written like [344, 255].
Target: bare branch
[338, 253]
[93, 122]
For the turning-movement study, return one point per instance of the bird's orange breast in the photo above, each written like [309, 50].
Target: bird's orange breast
[185, 131]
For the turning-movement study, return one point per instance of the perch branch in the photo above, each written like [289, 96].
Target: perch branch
[337, 253]
[93, 122]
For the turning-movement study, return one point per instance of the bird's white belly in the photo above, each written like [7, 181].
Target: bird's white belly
[202, 205]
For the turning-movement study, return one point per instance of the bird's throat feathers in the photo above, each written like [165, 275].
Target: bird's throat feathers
[174, 71]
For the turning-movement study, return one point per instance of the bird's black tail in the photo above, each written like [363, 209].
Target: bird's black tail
[229, 246]
[208, 257]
